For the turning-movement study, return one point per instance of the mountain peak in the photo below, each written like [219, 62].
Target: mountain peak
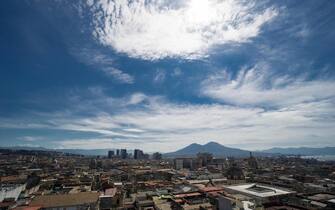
[212, 143]
[194, 144]
[211, 147]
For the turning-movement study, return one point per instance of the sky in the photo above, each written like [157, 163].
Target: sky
[159, 75]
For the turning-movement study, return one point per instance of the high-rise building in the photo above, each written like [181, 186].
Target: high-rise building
[179, 163]
[252, 162]
[118, 153]
[138, 154]
[188, 163]
[111, 154]
[204, 158]
[123, 154]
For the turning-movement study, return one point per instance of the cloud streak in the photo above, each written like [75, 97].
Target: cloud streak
[258, 86]
[104, 63]
[155, 124]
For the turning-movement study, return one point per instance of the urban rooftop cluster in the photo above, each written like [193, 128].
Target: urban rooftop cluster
[40, 180]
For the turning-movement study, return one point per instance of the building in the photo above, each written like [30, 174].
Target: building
[157, 156]
[185, 163]
[138, 154]
[191, 200]
[143, 201]
[118, 153]
[111, 154]
[82, 200]
[235, 174]
[257, 195]
[123, 154]
[178, 163]
[111, 199]
[252, 162]
[11, 191]
[204, 158]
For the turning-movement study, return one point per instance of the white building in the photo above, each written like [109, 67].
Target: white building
[11, 191]
[252, 196]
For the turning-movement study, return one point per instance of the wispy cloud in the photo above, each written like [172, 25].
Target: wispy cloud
[164, 126]
[118, 74]
[259, 86]
[160, 75]
[176, 72]
[102, 62]
[187, 29]
[31, 138]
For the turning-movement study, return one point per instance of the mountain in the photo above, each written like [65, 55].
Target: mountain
[88, 152]
[27, 148]
[191, 150]
[214, 148]
[308, 151]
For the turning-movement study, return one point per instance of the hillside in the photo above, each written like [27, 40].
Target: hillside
[212, 147]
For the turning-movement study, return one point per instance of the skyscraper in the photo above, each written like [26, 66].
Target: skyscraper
[118, 153]
[138, 154]
[124, 154]
[111, 154]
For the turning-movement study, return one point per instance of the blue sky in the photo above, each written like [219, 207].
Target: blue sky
[159, 75]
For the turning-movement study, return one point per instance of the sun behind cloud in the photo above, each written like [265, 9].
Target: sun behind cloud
[159, 29]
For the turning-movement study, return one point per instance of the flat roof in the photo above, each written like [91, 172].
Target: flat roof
[258, 190]
[47, 201]
[321, 197]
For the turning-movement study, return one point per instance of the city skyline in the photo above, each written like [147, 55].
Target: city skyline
[160, 75]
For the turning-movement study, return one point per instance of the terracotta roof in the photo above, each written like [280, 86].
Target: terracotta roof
[187, 195]
[178, 200]
[211, 189]
[65, 200]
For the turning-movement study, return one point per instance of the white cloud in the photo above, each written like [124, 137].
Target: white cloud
[31, 138]
[303, 31]
[160, 75]
[104, 63]
[118, 74]
[136, 98]
[259, 86]
[161, 28]
[176, 72]
[159, 125]
[165, 126]
[133, 130]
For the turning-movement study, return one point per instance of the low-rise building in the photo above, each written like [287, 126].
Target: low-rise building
[83, 200]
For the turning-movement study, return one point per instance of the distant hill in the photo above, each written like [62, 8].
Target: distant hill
[87, 152]
[191, 150]
[308, 151]
[214, 148]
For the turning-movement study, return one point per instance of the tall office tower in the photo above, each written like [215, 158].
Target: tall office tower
[123, 154]
[111, 154]
[138, 154]
[118, 153]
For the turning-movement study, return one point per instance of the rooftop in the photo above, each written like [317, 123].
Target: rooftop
[65, 200]
[111, 191]
[258, 190]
